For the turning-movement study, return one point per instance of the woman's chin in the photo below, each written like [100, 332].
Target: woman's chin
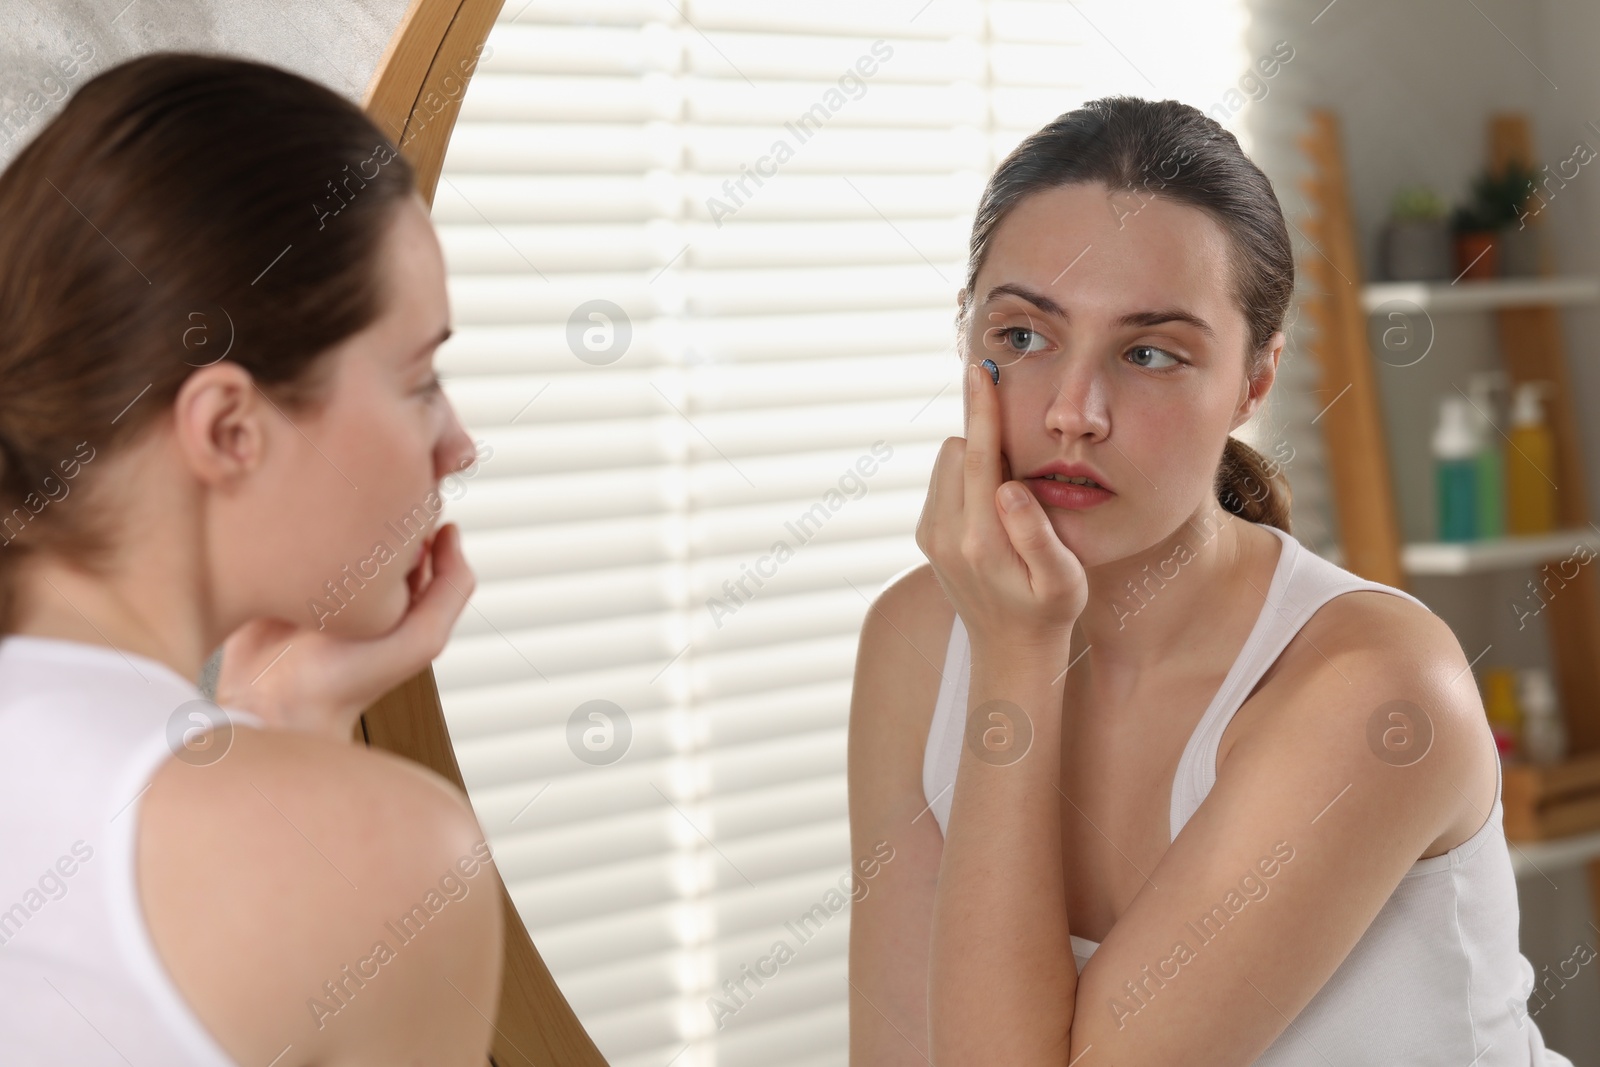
[374, 613]
[396, 603]
[1082, 543]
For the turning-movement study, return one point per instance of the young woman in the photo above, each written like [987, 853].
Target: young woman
[1162, 785]
[219, 299]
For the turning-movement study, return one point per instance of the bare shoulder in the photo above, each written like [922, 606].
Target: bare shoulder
[899, 663]
[1385, 667]
[915, 598]
[1367, 619]
[1392, 643]
[911, 619]
[280, 880]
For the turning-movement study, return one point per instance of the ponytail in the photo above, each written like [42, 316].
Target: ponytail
[1253, 487]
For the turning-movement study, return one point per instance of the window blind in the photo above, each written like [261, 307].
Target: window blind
[703, 259]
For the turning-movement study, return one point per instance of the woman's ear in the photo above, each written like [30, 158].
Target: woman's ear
[1256, 387]
[218, 422]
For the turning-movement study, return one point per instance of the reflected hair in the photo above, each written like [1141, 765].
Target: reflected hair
[172, 186]
[1174, 150]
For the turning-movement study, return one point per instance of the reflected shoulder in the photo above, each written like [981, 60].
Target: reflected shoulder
[297, 853]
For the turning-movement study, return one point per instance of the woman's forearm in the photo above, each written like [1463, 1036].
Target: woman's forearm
[1002, 976]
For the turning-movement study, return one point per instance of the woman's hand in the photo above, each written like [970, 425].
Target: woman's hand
[1017, 588]
[298, 678]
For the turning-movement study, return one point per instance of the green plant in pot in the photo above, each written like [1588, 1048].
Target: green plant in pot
[1505, 199]
[1491, 239]
[1415, 243]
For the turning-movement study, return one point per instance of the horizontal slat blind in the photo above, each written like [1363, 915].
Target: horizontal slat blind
[788, 376]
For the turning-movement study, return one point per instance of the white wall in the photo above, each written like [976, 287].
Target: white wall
[337, 44]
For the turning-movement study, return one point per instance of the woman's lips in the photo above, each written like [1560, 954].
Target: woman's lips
[1052, 493]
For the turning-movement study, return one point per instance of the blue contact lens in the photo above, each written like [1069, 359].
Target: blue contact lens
[993, 368]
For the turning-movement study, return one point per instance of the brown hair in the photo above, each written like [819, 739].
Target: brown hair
[1175, 150]
[180, 209]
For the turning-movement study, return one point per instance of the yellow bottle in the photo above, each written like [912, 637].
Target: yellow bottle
[1505, 717]
[1530, 465]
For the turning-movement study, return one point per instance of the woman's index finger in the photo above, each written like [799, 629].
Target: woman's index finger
[982, 472]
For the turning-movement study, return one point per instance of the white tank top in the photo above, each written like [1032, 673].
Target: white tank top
[82, 730]
[1437, 978]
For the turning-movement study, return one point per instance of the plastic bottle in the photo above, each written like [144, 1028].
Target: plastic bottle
[1488, 465]
[1544, 736]
[1455, 450]
[1505, 718]
[1530, 465]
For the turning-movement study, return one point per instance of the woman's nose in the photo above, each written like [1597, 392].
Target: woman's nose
[455, 451]
[1079, 406]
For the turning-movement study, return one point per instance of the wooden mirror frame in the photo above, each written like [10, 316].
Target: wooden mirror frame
[414, 97]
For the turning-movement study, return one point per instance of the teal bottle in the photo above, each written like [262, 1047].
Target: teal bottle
[1489, 479]
[1490, 461]
[1456, 459]
[1458, 499]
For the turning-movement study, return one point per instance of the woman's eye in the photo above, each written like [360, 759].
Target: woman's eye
[433, 386]
[1010, 333]
[1158, 352]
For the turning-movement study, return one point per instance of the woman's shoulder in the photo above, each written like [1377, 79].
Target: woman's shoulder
[1392, 676]
[1377, 622]
[915, 597]
[900, 660]
[270, 873]
[906, 634]
[1392, 643]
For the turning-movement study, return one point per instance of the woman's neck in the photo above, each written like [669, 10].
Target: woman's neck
[1144, 609]
[147, 594]
[61, 600]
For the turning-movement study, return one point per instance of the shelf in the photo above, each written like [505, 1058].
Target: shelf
[1552, 813]
[1537, 857]
[1500, 553]
[1493, 554]
[1483, 295]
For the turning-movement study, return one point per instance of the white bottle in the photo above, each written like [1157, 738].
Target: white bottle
[1544, 738]
[1455, 435]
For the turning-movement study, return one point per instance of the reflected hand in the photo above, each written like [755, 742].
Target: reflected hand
[299, 678]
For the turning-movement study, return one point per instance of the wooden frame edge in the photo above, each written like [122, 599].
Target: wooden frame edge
[414, 97]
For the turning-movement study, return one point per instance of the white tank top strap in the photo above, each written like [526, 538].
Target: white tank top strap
[86, 728]
[943, 750]
[1302, 582]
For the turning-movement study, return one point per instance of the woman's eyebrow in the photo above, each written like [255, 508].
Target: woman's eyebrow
[431, 345]
[1157, 316]
[1153, 317]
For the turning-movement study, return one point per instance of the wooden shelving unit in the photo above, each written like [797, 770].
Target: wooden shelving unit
[1556, 804]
